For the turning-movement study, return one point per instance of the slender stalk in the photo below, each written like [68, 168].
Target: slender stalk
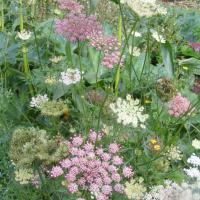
[117, 77]
[21, 20]
[24, 49]
[2, 15]
[26, 67]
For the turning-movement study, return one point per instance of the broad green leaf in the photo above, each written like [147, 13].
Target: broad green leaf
[167, 56]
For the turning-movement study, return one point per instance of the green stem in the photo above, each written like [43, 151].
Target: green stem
[26, 67]
[117, 77]
[2, 16]
[21, 16]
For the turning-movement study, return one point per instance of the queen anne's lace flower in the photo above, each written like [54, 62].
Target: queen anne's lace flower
[134, 51]
[196, 143]
[70, 76]
[24, 35]
[135, 189]
[193, 171]
[145, 8]
[88, 167]
[194, 160]
[129, 112]
[157, 36]
[38, 100]
[24, 176]
[171, 191]
[174, 153]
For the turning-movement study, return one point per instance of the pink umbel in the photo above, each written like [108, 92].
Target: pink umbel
[90, 167]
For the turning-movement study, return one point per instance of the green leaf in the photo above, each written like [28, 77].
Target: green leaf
[167, 55]
[60, 90]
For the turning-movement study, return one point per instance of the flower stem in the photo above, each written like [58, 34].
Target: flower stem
[26, 68]
[117, 77]
[2, 16]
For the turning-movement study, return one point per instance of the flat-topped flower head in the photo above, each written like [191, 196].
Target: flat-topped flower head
[129, 112]
[91, 168]
[179, 105]
[78, 27]
[157, 36]
[70, 76]
[37, 101]
[24, 35]
[145, 8]
[71, 5]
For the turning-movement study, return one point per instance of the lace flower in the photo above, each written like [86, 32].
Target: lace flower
[129, 112]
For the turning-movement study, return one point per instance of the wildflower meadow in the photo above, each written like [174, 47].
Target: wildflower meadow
[99, 100]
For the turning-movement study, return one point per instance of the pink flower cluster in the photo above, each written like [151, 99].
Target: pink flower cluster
[71, 6]
[110, 46]
[91, 168]
[76, 26]
[179, 105]
[196, 46]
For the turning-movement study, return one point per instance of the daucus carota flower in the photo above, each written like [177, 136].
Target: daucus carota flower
[134, 51]
[194, 160]
[129, 112]
[174, 153]
[37, 101]
[135, 189]
[89, 167]
[56, 59]
[145, 8]
[24, 176]
[70, 76]
[24, 35]
[54, 108]
[196, 143]
[157, 36]
[179, 105]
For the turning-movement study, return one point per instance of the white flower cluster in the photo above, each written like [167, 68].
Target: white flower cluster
[145, 8]
[174, 153]
[194, 160]
[193, 171]
[38, 100]
[71, 76]
[24, 35]
[134, 51]
[157, 36]
[196, 143]
[129, 112]
[173, 191]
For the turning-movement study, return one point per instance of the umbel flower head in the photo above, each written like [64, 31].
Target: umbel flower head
[24, 35]
[129, 112]
[179, 105]
[135, 189]
[54, 108]
[37, 101]
[76, 26]
[29, 145]
[172, 191]
[24, 176]
[70, 76]
[145, 8]
[91, 168]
